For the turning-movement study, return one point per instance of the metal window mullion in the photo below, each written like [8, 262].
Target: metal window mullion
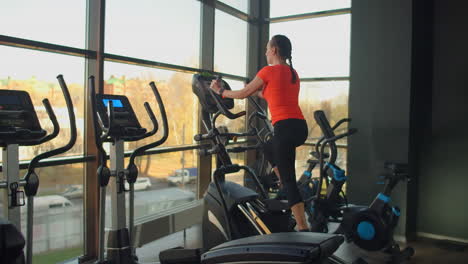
[44, 46]
[326, 13]
[207, 35]
[231, 10]
[166, 66]
[325, 79]
[257, 37]
[54, 162]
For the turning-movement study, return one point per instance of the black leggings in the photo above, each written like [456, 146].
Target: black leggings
[280, 151]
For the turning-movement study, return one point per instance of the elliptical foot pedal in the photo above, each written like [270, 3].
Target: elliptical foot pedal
[180, 255]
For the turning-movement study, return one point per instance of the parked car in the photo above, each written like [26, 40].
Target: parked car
[73, 191]
[186, 175]
[51, 202]
[142, 183]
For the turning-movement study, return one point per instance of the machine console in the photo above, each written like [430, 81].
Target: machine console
[18, 119]
[125, 122]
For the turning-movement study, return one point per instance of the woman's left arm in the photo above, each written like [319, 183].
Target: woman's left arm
[253, 86]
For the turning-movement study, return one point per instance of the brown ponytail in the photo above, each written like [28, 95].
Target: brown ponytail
[284, 47]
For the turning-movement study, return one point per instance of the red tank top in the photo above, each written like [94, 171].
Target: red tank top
[281, 95]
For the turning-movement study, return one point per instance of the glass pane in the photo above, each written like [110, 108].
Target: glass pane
[175, 89]
[236, 125]
[159, 30]
[286, 8]
[330, 97]
[230, 53]
[54, 21]
[25, 70]
[58, 213]
[164, 182]
[241, 5]
[173, 181]
[321, 46]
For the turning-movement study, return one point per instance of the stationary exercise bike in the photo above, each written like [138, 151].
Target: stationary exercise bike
[369, 227]
[19, 126]
[235, 225]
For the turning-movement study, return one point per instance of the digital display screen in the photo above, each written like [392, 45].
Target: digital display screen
[9, 100]
[115, 102]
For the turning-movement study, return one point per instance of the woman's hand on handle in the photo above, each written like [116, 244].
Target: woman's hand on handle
[215, 86]
[255, 85]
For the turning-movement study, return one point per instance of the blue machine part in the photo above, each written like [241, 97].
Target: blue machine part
[383, 197]
[338, 174]
[396, 211]
[366, 230]
[308, 174]
[115, 102]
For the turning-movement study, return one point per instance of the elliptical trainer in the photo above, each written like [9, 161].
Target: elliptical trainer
[115, 121]
[19, 126]
[369, 227]
[224, 198]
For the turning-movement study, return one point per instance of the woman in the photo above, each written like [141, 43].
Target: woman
[279, 84]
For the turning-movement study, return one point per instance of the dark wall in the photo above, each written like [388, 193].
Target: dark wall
[443, 174]
[409, 100]
[379, 101]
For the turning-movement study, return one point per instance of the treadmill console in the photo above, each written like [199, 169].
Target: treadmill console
[125, 122]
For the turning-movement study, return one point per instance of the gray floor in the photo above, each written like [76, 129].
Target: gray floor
[427, 251]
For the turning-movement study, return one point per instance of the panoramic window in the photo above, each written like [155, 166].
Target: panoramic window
[175, 89]
[157, 30]
[52, 21]
[321, 46]
[36, 72]
[285, 8]
[230, 52]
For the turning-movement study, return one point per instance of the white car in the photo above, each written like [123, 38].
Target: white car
[180, 176]
[74, 191]
[48, 202]
[142, 183]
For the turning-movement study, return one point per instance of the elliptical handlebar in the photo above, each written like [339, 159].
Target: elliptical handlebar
[211, 134]
[350, 132]
[97, 127]
[139, 151]
[53, 119]
[329, 136]
[243, 149]
[73, 133]
[153, 119]
[344, 120]
[223, 108]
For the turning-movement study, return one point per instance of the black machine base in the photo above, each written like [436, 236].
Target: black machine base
[354, 255]
[118, 247]
[274, 248]
[11, 243]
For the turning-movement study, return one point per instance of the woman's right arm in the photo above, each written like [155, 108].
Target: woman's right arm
[259, 93]
[252, 87]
